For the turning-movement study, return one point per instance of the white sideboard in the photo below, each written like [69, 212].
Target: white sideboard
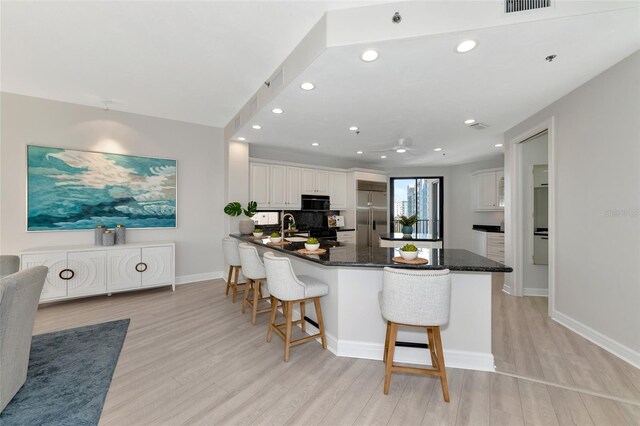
[85, 270]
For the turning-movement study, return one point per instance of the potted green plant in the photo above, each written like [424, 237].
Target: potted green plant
[407, 223]
[312, 244]
[409, 252]
[233, 209]
[275, 237]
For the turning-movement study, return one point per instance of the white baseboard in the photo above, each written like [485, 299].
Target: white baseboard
[456, 359]
[541, 292]
[188, 279]
[606, 343]
[506, 288]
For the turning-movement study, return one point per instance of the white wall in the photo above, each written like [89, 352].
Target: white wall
[596, 172]
[535, 277]
[198, 150]
[458, 198]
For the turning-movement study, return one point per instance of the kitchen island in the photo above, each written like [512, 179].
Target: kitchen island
[419, 240]
[354, 325]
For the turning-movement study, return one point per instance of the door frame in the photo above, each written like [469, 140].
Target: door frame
[515, 214]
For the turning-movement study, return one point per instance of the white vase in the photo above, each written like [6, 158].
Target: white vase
[246, 226]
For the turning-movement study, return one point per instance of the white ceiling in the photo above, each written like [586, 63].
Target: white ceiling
[192, 61]
[421, 88]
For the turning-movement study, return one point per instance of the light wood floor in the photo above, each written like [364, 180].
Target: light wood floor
[191, 357]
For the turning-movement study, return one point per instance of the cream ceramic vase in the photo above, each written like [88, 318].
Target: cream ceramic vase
[246, 226]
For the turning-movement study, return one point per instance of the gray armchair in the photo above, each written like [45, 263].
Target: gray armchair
[19, 297]
[9, 265]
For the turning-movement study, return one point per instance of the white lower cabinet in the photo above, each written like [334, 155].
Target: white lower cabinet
[347, 237]
[90, 270]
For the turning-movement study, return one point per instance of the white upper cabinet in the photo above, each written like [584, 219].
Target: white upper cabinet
[338, 190]
[294, 187]
[278, 196]
[488, 190]
[540, 176]
[315, 182]
[260, 182]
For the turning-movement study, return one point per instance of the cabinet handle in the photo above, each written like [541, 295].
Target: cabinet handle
[139, 265]
[544, 184]
[73, 274]
[544, 238]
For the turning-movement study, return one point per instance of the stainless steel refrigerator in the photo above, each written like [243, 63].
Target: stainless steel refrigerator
[371, 213]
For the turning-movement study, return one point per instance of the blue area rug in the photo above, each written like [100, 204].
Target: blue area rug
[68, 377]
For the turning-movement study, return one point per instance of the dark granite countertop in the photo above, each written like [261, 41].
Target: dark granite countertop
[488, 228]
[414, 237]
[351, 255]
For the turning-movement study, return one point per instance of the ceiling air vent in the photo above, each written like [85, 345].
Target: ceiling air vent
[478, 126]
[520, 5]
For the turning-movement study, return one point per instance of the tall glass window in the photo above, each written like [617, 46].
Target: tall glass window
[422, 196]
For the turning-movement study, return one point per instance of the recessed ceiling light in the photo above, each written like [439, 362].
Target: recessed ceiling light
[277, 110]
[437, 149]
[359, 152]
[241, 139]
[469, 121]
[315, 144]
[353, 128]
[369, 55]
[307, 86]
[498, 145]
[466, 46]
[383, 156]
[401, 150]
[256, 126]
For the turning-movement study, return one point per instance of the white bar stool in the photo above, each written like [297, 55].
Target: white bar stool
[285, 286]
[253, 270]
[416, 298]
[232, 257]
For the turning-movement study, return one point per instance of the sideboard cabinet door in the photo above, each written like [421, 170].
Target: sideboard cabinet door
[54, 286]
[159, 265]
[89, 268]
[121, 269]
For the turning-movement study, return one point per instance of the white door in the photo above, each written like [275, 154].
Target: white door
[308, 181]
[338, 190]
[89, 272]
[121, 269]
[322, 182]
[259, 179]
[54, 285]
[293, 188]
[278, 198]
[487, 183]
[157, 266]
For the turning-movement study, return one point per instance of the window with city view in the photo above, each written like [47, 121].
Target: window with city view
[421, 196]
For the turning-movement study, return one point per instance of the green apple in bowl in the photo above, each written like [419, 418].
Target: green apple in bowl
[312, 244]
[275, 237]
[257, 232]
[409, 252]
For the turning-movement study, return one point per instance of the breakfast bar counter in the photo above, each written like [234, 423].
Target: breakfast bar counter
[353, 323]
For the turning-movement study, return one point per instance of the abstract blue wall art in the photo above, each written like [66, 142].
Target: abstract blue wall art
[70, 190]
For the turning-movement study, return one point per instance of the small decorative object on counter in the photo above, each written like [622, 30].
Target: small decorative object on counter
[98, 235]
[275, 237]
[108, 238]
[257, 232]
[312, 244]
[245, 226]
[407, 224]
[121, 234]
[409, 252]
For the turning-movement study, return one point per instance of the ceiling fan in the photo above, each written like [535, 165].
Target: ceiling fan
[403, 145]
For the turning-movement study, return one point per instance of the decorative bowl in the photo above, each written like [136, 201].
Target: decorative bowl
[312, 247]
[258, 234]
[275, 239]
[408, 255]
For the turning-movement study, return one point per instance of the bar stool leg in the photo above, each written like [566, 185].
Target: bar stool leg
[303, 324]
[245, 298]
[318, 307]
[229, 280]
[386, 344]
[287, 338]
[256, 296]
[392, 346]
[441, 366]
[235, 283]
[432, 348]
[272, 318]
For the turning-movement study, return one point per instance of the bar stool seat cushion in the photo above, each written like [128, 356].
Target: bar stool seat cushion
[313, 287]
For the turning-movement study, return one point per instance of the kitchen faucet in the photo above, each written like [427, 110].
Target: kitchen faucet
[284, 216]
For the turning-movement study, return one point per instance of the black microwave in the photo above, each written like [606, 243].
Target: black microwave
[316, 203]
